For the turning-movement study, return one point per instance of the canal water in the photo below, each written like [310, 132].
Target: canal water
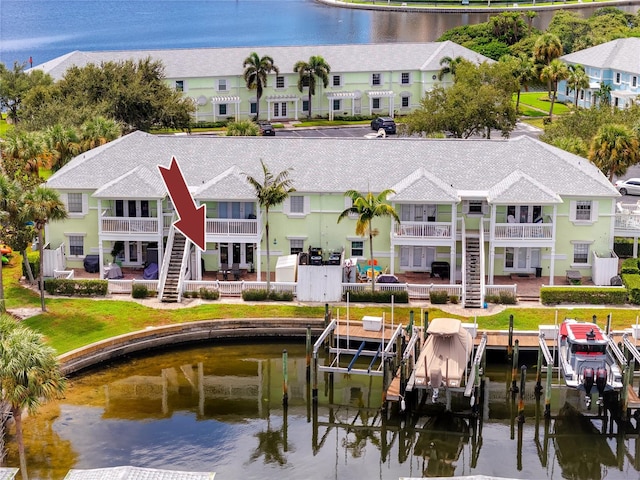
[219, 408]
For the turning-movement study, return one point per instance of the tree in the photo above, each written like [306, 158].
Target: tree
[523, 70]
[9, 204]
[307, 73]
[603, 94]
[449, 65]
[23, 153]
[547, 48]
[63, 143]
[614, 149]
[14, 85]
[42, 205]
[577, 80]
[256, 71]
[554, 72]
[271, 191]
[367, 207]
[98, 131]
[243, 128]
[29, 375]
[530, 14]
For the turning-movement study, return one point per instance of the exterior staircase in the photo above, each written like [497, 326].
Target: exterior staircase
[473, 297]
[170, 292]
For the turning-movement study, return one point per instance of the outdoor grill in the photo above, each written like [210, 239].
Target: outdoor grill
[315, 256]
[440, 269]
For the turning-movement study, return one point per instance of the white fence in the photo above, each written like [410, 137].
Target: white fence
[125, 286]
[495, 290]
[416, 291]
[66, 274]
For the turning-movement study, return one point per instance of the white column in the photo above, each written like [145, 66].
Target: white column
[492, 257]
[213, 107]
[353, 106]
[635, 247]
[268, 110]
[391, 107]
[552, 265]
[452, 260]
[553, 248]
[296, 104]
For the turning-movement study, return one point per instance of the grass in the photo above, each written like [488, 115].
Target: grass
[70, 323]
[539, 101]
[327, 123]
[5, 128]
[536, 122]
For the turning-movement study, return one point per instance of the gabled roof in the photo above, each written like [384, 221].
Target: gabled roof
[137, 183]
[220, 62]
[520, 189]
[621, 54]
[229, 185]
[423, 186]
[334, 165]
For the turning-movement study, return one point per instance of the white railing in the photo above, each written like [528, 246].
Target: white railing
[126, 286]
[129, 225]
[166, 259]
[494, 290]
[225, 226]
[525, 231]
[196, 285]
[275, 286]
[66, 274]
[627, 221]
[463, 266]
[230, 289]
[482, 266]
[423, 229]
[415, 291]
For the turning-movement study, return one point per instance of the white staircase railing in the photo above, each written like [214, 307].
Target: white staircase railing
[184, 267]
[481, 253]
[463, 266]
[166, 259]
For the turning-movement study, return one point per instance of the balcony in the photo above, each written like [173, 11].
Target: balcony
[129, 225]
[523, 231]
[627, 222]
[232, 227]
[423, 230]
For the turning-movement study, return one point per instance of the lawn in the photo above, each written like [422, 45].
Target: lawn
[70, 323]
[538, 100]
[4, 127]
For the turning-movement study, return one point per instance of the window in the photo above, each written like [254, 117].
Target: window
[375, 103]
[296, 204]
[634, 81]
[616, 101]
[617, 77]
[74, 202]
[222, 109]
[180, 85]
[566, 91]
[475, 207]
[337, 81]
[279, 81]
[583, 210]
[508, 257]
[357, 249]
[405, 102]
[336, 105]
[253, 106]
[305, 105]
[296, 245]
[222, 84]
[404, 78]
[305, 82]
[76, 245]
[580, 253]
[376, 79]
[581, 94]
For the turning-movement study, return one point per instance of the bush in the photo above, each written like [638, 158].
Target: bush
[454, 299]
[632, 282]
[379, 296]
[623, 248]
[87, 288]
[139, 291]
[34, 260]
[438, 297]
[261, 295]
[630, 266]
[207, 294]
[586, 295]
[507, 298]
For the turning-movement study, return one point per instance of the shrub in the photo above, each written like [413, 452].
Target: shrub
[139, 291]
[632, 282]
[507, 298]
[586, 295]
[630, 266]
[379, 296]
[454, 299]
[492, 298]
[34, 260]
[207, 294]
[87, 288]
[260, 295]
[623, 247]
[438, 297]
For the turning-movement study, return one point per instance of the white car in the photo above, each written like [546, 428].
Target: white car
[630, 186]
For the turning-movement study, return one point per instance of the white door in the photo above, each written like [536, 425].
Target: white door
[417, 259]
[279, 109]
[521, 259]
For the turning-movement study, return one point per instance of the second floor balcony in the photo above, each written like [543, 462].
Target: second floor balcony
[132, 225]
[423, 230]
[232, 227]
[523, 231]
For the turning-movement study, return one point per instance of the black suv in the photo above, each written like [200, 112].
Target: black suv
[266, 129]
[387, 123]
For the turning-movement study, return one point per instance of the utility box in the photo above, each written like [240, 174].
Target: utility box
[372, 324]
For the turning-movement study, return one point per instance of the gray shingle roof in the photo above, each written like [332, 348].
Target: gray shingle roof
[330, 165]
[221, 62]
[622, 54]
[135, 473]
[137, 183]
[520, 188]
[423, 186]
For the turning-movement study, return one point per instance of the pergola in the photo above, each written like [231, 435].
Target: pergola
[331, 96]
[222, 100]
[381, 94]
[282, 98]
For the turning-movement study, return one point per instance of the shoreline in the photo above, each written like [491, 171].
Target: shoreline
[514, 6]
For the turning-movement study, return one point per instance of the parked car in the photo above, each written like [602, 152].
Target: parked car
[630, 186]
[387, 123]
[266, 129]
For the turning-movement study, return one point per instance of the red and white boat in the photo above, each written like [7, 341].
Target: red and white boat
[587, 359]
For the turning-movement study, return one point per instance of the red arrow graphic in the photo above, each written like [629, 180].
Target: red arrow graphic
[191, 220]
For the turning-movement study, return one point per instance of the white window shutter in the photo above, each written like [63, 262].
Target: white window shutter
[594, 211]
[65, 200]
[307, 204]
[465, 206]
[485, 208]
[347, 202]
[286, 206]
[85, 203]
[572, 210]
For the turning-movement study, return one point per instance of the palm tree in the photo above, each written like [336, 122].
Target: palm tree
[603, 94]
[24, 153]
[9, 206]
[63, 144]
[367, 207]
[547, 48]
[243, 128]
[42, 205]
[614, 149]
[273, 190]
[29, 375]
[307, 73]
[523, 72]
[577, 80]
[449, 65]
[554, 72]
[255, 74]
[99, 131]
[530, 14]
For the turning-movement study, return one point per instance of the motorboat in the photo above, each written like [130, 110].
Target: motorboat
[444, 358]
[586, 357]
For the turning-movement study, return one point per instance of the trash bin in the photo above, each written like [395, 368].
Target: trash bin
[538, 272]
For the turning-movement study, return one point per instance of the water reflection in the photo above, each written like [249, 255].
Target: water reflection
[214, 408]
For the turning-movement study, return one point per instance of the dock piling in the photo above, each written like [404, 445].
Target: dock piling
[523, 378]
[308, 345]
[547, 393]
[538, 388]
[510, 344]
[514, 369]
[285, 380]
